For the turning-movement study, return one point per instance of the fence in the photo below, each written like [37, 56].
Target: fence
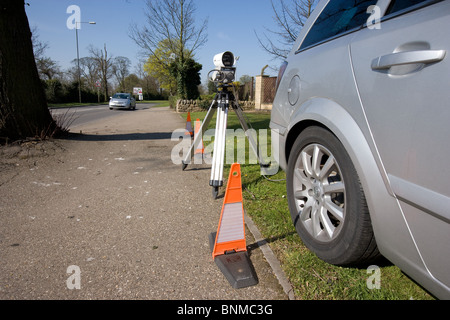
[265, 89]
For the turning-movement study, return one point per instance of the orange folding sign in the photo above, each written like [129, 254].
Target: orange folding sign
[230, 235]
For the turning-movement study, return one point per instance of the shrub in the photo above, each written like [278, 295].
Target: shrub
[173, 102]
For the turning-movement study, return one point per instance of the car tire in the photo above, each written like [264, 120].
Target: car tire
[327, 202]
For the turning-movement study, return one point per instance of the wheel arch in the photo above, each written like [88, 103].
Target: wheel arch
[337, 120]
[334, 118]
[392, 233]
[296, 130]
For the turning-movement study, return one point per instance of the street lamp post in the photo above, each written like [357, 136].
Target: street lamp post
[78, 56]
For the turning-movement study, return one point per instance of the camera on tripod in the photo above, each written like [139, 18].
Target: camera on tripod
[224, 99]
[226, 71]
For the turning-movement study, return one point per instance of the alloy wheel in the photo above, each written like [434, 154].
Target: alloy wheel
[319, 192]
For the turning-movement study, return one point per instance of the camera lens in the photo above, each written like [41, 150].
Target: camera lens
[228, 59]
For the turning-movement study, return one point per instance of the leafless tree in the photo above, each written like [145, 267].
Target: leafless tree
[104, 64]
[39, 47]
[172, 21]
[290, 18]
[121, 69]
[148, 82]
[47, 67]
[89, 69]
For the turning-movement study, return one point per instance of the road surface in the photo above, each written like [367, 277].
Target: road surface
[107, 215]
[78, 116]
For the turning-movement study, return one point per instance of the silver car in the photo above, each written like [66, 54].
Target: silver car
[122, 101]
[361, 119]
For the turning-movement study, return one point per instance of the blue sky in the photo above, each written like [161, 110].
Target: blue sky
[232, 25]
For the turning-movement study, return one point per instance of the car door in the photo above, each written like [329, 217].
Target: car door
[402, 71]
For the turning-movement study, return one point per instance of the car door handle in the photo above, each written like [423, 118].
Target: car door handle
[407, 57]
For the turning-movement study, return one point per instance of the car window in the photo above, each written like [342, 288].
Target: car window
[398, 5]
[336, 18]
[121, 96]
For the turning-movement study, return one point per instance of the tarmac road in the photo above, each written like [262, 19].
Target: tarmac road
[78, 116]
[111, 208]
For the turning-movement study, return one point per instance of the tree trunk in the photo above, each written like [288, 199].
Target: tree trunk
[23, 106]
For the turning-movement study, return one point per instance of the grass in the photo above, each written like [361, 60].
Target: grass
[265, 202]
[159, 103]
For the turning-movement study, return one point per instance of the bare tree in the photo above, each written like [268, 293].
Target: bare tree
[290, 19]
[148, 82]
[171, 22]
[89, 69]
[121, 69]
[39, 47]
[104, 64]
[23, 106]
[47, 67]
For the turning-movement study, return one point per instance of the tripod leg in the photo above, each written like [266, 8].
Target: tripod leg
[206, 121]
[223, 139]
[216, 180]
[215, 192]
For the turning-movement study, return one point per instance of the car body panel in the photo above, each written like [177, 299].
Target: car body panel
[339, 89]
[415, 110]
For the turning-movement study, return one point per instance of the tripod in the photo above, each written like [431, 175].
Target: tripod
[221, 103]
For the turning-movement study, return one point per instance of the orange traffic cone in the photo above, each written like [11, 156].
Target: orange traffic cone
[200, 148]
[230, 250]
[189, 126]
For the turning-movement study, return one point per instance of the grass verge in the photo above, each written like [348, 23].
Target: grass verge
[159, 103]
[265, 202]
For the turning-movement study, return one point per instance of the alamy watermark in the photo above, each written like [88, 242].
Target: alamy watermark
[74, 280]
[236, 145]
[374, 280]
[373, 22]
[74, 18]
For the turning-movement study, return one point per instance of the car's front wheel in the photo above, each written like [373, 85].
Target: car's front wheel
[326, 200]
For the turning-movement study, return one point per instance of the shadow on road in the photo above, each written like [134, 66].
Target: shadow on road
[120, 136]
